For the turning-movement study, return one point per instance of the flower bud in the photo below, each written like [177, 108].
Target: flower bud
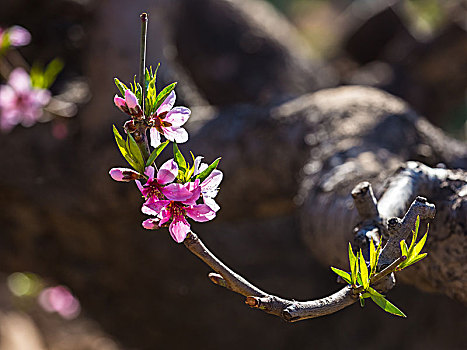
[151, 224]
[124, 174]
[131, 100]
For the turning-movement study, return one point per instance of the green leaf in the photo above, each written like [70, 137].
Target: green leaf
[163, 95]
[345, 275]
[362, 300]
[386, 305]
[353, 265]
[374, 292]
[404, 249]
[372, 258]
[135, 152]
[123, 149]
[51, 71]
[419, 246]
[414, 237]
[121, 87]
[364, 271]
[204, 174]
[414, 260]
[156, 153]
[179, 159]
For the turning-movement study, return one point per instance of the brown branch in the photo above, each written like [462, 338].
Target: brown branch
[288, 310]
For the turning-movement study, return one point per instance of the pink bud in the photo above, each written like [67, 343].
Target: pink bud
[151, 224]
[119, 102]
[124, 174]
[19, 36]
[131, 100]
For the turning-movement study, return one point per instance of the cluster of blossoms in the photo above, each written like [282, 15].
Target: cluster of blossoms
[175, 191]
[24, 96]
[20, 102]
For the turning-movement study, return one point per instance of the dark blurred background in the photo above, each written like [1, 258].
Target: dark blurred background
[63, 218]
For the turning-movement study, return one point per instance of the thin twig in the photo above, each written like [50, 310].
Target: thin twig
[142, 57]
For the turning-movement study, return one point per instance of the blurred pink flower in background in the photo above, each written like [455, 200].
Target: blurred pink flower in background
[14, 36]
[59, 299]
[20, 102]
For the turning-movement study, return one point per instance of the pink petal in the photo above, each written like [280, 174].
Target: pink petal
[155, 137]
[123, 174]
[179, 228]
[131, 100]
[19, 80]
[149, 171]
[213, 181]
[167, 104]
[197, 164]
[154, 207]
[176, 134]
[200, 213]
[196, 192]
[151, 224]
[165, 215]
[176, 192]
[140, 187]
[168, 172]
[211, 203]
[178, 116]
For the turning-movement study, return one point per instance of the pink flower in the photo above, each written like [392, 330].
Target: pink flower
[20, 102]
[161, 187]
[129, 105]
[168, 121]
[176, 209]
[14, 36]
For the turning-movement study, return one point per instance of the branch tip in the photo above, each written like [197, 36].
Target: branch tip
[217, 279]
[144, 17]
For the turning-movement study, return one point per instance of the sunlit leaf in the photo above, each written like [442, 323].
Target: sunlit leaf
[180, 160]
[156, 153]
[204, 174]
[404, 249]
[121, 87]
[364, 271]
[372, 257]
[416, 259]
[386, 305]
[353, 265]
[135, 153]
[123, 149]
[345, 275]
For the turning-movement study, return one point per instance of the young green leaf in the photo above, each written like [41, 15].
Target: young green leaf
[163, 95]
[386, 305]
[51, 71]
[179, 159]
[372, 258]
[362, 300]
[373, 291]
[204, 174]
[414, 238]
[345, 275]
[123, 149]
[404, 249]
[414, 260]
[135, 153]
[353, 265]
[364, 271]
[419, 246]
[156, 153]
[121, 87]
